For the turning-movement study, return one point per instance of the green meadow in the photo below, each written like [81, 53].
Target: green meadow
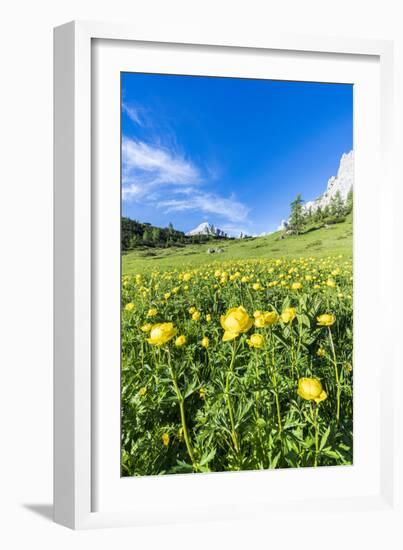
[327, 241]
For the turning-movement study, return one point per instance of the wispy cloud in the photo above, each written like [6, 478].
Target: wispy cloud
[166, 166]
[168, 180]
[136, 114]
[145, 168]
[208, 203]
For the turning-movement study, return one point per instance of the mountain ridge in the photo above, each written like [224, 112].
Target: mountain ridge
[206, 228]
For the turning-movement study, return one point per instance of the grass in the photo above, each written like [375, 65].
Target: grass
[333, 240]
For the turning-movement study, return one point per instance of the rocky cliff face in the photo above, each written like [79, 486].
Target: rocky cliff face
[343, 182]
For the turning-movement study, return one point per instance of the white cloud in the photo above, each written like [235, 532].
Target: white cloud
[228, 208]
[169, 181]
[133, 113]
[153, 166]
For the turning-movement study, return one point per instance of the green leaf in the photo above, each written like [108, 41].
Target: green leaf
[273, 464]
[324, 438]
[207, 458]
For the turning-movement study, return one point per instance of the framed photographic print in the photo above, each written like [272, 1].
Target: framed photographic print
[232, 322]
[216, 355]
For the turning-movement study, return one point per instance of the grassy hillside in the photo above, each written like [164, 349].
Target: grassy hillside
[335, 239]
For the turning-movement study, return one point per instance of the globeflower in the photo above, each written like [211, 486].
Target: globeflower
[235, 322]
[296, 286]
[257, 286]
[311, 389]
[165, 439]
[205, 342]
[147, 327]
[192, 310]
[288, 314]
[180, 341]
[152, 312]
[129, 306]
[325, 320]
[265, 318]
[161, 333]
[255, 341]
[196, 316]
[208, 317]
[321, 352]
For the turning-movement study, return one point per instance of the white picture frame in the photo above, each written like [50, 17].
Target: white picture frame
[85, 495]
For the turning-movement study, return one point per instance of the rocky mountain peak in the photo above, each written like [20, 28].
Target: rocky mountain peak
[206, 228]
[343, 182]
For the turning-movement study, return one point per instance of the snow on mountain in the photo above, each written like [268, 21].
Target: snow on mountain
[206, 228]
[343, 182]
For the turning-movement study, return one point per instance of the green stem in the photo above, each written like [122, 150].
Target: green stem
[181, 403]
[228, 399]
[315, 424]
[336, 371]
[293, 353]
[274, 381]
[257, 394]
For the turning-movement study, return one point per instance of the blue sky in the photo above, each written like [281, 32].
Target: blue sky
[233, 152]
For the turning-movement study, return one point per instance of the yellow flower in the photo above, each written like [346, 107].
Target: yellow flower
[205, 342]
[208, 317]
[180, 341]
[270, 317]
[235, 322]
[257, 314]
[265, 319]
[325, 320]
[330, 283]
[187, 276]
[152, 312]
[161, 333]
[259, 321]
[202, 393]
[129, 306]
[288, 314]
[165, 439]
[311, 389]
[257, 286]
[296, 286]
[192, 310]
[167, 295]
[142, 391]
[147, 327]
[321, 352]
[256, 341]
[196, 316]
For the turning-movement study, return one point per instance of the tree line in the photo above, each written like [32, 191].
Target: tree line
[302, 219]
[135, 234]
